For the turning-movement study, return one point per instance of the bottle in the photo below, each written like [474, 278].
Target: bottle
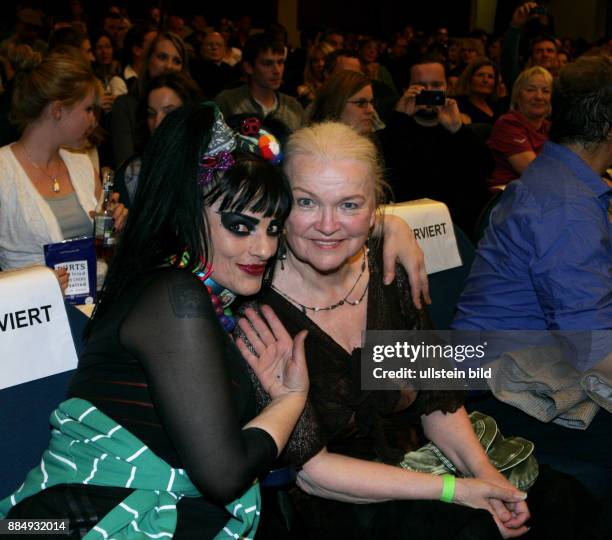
[104, 224]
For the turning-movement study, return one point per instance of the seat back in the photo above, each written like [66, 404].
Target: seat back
[446, 287]
[30, 389]
[485, 216]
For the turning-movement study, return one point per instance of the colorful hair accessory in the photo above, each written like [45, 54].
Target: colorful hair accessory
[269, 148]
[256, 140]
[250, 127]
[222, 161]
[217, 156]
[222, 137]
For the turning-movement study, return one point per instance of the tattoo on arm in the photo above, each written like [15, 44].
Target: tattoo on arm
[186, 302]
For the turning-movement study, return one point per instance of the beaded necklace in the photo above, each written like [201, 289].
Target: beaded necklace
[220, 297]
[342, 301]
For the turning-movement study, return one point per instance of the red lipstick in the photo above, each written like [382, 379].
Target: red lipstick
[253, 269]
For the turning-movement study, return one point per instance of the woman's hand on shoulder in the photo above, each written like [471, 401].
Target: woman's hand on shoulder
[506, 504]
[279, 362]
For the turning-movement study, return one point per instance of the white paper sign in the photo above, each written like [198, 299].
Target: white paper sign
[35, 338]
[433, 228]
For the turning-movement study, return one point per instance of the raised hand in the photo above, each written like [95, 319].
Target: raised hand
[449, 116]
[279, 362]
[521, 14]
[407, 103]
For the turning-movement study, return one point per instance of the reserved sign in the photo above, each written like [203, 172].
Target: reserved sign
[432, 226]
[35, 338]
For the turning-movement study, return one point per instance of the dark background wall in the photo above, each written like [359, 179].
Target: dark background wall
[385, 16]
[589, 18]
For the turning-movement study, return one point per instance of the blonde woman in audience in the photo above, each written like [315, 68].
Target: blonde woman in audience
[519, 135]
[47, 193]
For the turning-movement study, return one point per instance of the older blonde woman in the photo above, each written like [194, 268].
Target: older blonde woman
[330, 284]
[518, 136]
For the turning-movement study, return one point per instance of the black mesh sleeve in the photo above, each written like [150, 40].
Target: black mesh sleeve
[174, 332]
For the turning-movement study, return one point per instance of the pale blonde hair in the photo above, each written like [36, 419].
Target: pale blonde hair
[333, 141]
[524, 79]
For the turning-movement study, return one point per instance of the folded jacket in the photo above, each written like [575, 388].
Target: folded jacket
[543, 385]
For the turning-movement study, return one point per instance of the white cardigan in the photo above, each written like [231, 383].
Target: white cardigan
[26, 220]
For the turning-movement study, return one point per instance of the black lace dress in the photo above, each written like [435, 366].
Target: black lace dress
[362, 424]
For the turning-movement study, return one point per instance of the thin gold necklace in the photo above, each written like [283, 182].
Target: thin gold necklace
[53, 177]
[340, 302]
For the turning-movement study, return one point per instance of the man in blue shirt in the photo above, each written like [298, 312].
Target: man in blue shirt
[545, 262]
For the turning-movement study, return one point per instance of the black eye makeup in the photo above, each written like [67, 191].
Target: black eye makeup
[239, 224]
[243, 225]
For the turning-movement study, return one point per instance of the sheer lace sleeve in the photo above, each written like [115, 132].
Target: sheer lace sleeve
[186, 356]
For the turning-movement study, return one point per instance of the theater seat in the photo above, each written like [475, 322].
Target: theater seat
[25, 407]
[484, 217]
[445, 287]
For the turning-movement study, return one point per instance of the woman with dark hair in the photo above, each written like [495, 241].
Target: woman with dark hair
[162, 95]
[106, 67]
[135, 47]
[477, 92]
[346, 97]
[368, 56]
[166, 53]
[158, 435]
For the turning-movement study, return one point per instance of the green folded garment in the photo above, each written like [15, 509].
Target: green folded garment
[512, 456]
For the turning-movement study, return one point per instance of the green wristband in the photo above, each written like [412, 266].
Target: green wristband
[448, 488]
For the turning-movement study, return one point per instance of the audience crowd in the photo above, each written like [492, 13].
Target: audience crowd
[512, 132]
[255, 71]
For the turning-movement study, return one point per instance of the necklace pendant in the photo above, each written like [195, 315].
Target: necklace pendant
[56, 185]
